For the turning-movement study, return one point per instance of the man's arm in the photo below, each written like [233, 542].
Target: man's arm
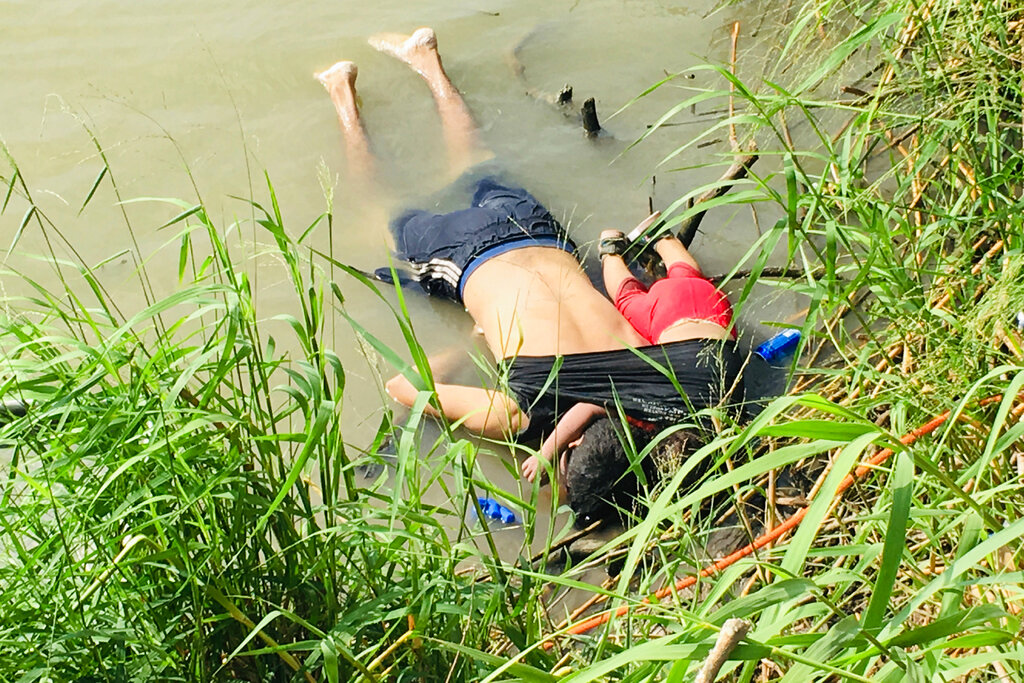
[492, 413]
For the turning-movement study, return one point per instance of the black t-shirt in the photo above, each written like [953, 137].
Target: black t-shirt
[663, 384]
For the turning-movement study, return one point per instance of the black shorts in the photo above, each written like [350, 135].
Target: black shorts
[443, 249]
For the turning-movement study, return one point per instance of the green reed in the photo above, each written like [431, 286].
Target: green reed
[180, 503]
[900, 201]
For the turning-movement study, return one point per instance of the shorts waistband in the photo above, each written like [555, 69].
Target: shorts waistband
[511, 245]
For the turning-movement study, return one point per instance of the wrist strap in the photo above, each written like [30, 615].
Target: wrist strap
[612, 245]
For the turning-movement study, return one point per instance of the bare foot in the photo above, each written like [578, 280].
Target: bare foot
[341, 75]
[531, 466]
[418, 50]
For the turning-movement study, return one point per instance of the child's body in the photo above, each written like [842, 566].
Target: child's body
[684, 305]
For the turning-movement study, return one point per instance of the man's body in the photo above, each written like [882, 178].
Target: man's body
[680, 307]
[532, 301]
[536, 307]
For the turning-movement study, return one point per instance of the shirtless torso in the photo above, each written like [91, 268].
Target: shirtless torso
[537, 301]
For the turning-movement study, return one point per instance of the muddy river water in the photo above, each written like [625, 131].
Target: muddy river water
[198, 96]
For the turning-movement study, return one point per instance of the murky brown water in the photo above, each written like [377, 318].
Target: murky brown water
[225, 90]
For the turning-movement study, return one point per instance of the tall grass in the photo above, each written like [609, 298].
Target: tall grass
[180, 503]
[901, 203]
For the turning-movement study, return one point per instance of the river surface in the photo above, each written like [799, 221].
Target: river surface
[204, 95]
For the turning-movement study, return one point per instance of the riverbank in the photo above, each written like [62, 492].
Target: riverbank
[160, 518]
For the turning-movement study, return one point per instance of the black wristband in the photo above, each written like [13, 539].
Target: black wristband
[612, 246]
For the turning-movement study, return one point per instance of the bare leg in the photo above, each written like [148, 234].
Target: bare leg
[672, 251]
[340, 81]
[460, 133]
[613, 268]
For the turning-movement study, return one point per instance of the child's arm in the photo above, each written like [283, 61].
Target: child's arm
[613, 268]
[569, 429]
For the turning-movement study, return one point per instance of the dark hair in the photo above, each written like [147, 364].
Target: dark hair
[602, 482]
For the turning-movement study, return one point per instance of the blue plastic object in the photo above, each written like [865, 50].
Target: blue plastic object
[496, 511]
[779, 346]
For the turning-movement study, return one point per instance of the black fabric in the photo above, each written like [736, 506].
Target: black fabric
[441, 246]
[707, 373]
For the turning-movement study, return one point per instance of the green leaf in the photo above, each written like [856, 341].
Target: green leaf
[796, 553]
[323, 414]
[822, 651]
[767, 596]
[948, 579]
[524, 672]
[95, 185]
[191, 211]
[902, 486]
[21, 228]
[819, 429]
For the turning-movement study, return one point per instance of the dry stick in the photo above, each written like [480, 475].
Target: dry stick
[749, 585]
[562, 662]
[971, 179]
[862, 95]
[591, 126]
[772, 272]
[597, 597]
[904, 40]
[899, 139]
[740, 168]
[821, 477]
[941, 279]
[571, 538]
[784, 528]
[742, 517]
[738, 171]
[918, 187]
[878, 367]
[908, 364]
[733, 141]
[241, 618]
[733, 631]
[821, 25]
[944, 300]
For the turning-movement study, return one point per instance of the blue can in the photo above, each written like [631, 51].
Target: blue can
[779, 346]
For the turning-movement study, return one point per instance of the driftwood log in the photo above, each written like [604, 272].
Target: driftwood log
[586, 116]
[591, 126]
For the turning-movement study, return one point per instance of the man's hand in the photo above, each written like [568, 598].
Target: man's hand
[401, 389]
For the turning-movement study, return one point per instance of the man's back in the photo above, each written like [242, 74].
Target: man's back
[536, 301]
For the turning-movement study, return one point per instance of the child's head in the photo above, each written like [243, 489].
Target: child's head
[598, 475]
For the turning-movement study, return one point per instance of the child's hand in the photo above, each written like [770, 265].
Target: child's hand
[531, 466]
